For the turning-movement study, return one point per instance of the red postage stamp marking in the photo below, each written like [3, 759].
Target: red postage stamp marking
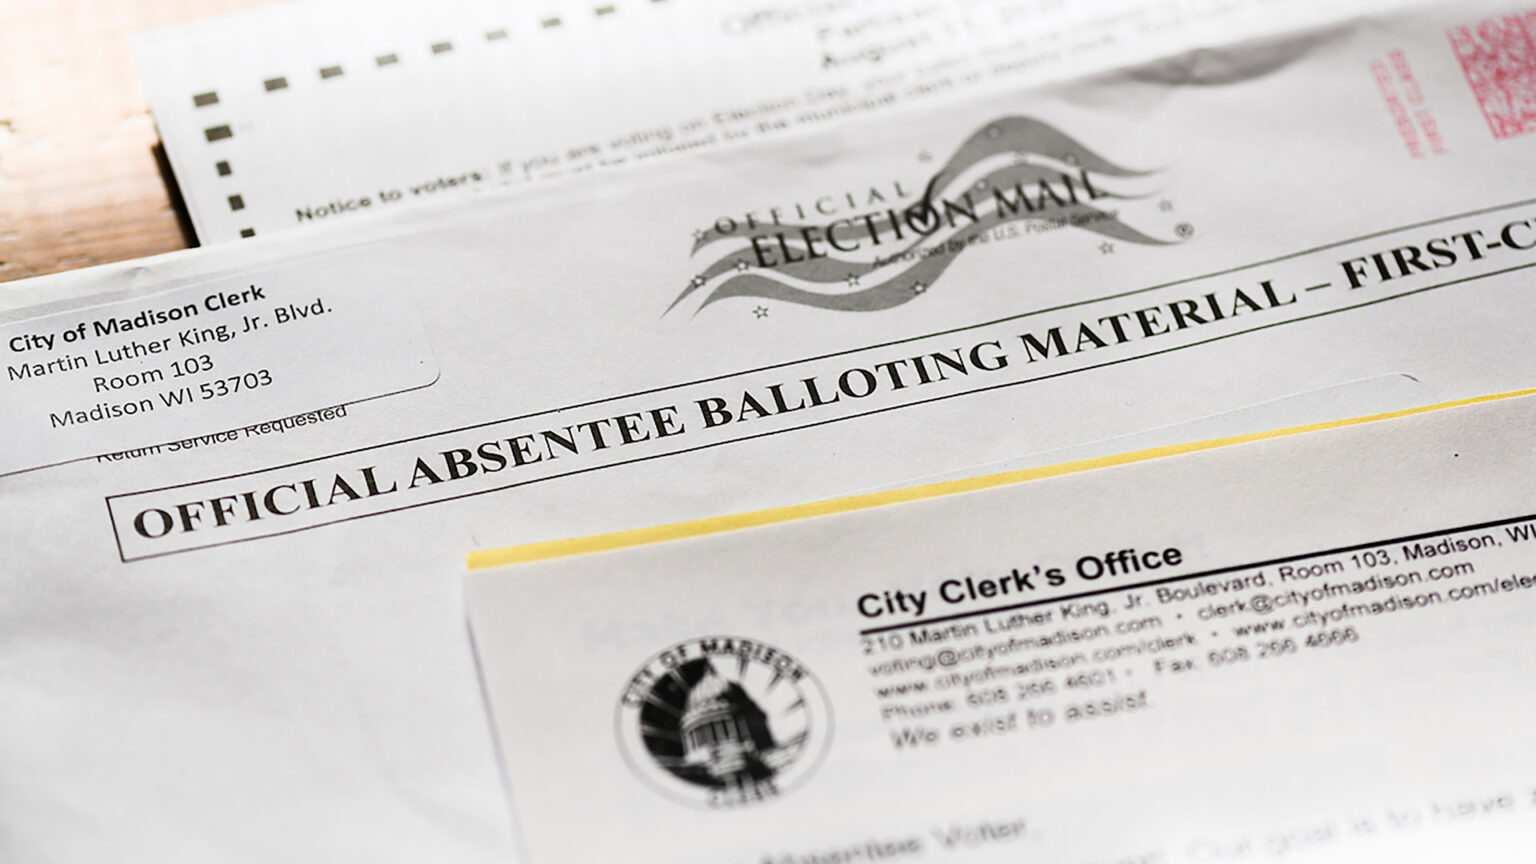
[1498, 56]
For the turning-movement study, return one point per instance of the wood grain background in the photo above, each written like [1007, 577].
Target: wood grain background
[79, 178]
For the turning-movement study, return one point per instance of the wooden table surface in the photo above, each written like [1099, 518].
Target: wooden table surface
[80, 180]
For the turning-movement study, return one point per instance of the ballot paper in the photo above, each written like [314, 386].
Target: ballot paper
[302, 114]
[1304, 648]
[245, 641]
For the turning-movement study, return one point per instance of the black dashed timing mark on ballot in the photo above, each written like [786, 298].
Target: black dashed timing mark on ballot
[280, 83]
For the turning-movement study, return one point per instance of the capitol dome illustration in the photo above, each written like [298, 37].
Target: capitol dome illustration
[725, 733]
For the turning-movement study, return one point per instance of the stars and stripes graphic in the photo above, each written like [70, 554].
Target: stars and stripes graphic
[1013, 170]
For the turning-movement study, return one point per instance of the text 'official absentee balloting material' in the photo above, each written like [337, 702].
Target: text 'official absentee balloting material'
[261, 588]
[1311, 648]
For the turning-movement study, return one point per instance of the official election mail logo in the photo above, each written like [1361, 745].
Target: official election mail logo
[882, 246]
[723, 722]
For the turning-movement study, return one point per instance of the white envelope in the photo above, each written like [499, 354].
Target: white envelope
[382, 104]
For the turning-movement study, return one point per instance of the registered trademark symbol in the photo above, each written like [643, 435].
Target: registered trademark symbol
[1184, 229]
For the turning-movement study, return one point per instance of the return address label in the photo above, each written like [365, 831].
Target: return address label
[208, 357]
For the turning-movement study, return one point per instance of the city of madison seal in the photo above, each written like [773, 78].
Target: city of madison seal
[721, 721]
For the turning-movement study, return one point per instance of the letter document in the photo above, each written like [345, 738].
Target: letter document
[1312, 648]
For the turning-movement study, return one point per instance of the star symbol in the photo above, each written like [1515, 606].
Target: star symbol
[761, 312]
[1069, 159]
[1106, 248]
[853, 280]
[697, 281]
[741, 266]
[918, 287]
[994, 131]
[1165, 205]
[699, 235]
[924, 156]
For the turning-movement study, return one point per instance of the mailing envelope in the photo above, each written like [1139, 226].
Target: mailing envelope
[446, 98]
[240, 481]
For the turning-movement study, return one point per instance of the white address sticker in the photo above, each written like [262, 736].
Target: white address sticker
[207, 358]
